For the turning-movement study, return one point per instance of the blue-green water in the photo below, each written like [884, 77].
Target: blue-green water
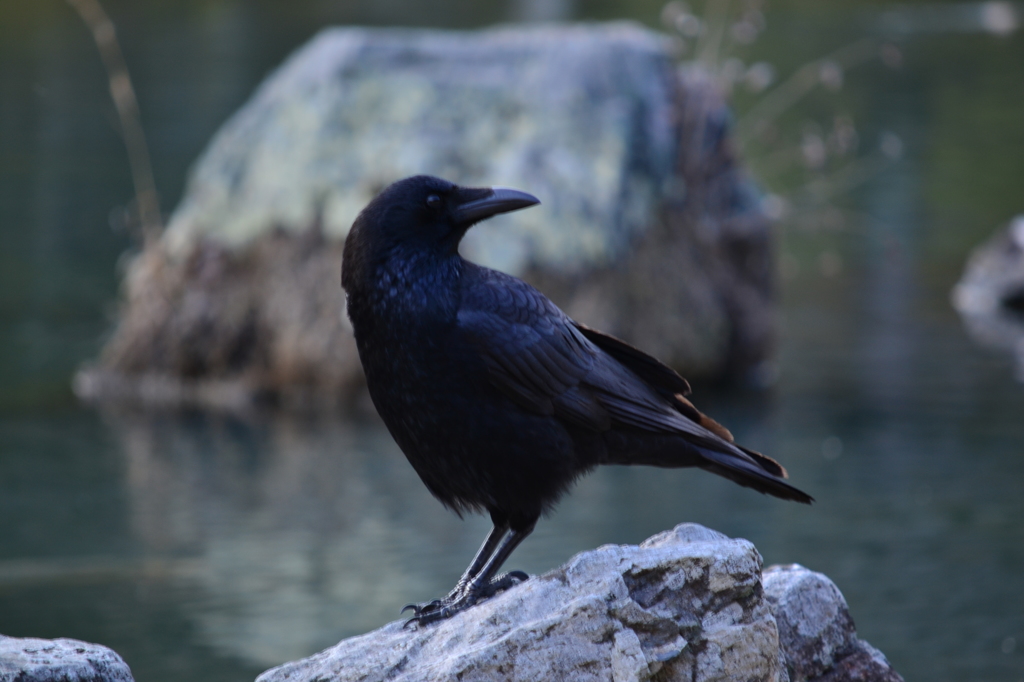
[209, 547]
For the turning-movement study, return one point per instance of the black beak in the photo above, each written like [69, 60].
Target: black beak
[481, 204]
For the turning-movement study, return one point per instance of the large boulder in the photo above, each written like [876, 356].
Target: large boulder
[687, 604]
[648, 228]
[59, 660]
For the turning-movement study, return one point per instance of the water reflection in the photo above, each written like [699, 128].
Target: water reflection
[300, 535]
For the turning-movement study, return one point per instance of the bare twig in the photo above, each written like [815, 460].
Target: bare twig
[127, 105]
[716, 21]
[788, 93]
[843, 180]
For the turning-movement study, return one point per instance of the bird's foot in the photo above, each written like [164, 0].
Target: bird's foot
[501, 583]
[461, 598]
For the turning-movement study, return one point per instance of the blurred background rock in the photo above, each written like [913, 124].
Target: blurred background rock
[887, 141]
[990, 295]
[649, 229]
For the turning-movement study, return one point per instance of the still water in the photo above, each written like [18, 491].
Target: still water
[209, 547]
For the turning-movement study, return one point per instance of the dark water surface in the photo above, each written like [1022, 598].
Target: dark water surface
[209, 547]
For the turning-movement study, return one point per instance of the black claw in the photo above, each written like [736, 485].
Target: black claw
[428, 617]
[422, 611]
[460, 599]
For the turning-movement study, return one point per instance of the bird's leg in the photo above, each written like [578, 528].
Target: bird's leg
[483, 584]
[482, 555]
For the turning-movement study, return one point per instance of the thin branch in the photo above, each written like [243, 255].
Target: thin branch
[716, 20]
[844, 179]
[123, 94]
[788, 93]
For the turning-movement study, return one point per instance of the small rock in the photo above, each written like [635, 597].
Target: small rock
[816, 632]
[990, 294]
[59, 660]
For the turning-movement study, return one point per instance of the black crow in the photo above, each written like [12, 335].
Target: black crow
[498, 399]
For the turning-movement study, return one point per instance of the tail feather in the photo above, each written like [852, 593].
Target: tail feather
[756, 471]
[766, 463]
[709, 452]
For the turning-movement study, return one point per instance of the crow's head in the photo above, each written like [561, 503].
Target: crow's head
[426, 214]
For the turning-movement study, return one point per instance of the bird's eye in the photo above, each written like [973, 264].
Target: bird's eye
[434, 201]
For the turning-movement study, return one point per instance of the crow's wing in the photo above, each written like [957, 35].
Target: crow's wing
[672, 387]
[658, 376]
[531, 355]
[539, 358]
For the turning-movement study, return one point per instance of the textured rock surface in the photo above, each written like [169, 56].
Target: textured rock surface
[59, 660]
[990, 294]
[648, 229]
[687, 604]
[684, 605]
[816, 632]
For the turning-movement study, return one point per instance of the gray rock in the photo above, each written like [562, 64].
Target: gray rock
[990, 294]
[816, 632]
[686, 604]
[59, 660]
[648, 228]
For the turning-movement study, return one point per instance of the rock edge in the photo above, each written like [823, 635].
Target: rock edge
[59, 660]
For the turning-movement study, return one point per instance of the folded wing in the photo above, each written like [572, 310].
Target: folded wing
[547, 364]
